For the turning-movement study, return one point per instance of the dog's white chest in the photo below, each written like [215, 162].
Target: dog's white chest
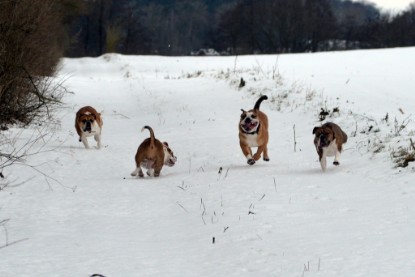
[251, 140]
[330, 150]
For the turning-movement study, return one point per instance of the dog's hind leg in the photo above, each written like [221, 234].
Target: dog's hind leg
[266, 157]
[150, 172]
[259, 151]
[158, 165]
[138, 160]
[136, 171]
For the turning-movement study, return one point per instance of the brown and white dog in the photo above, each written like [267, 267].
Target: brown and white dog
[329, 139]
[88, 122]
[253, 132]
[152, 155]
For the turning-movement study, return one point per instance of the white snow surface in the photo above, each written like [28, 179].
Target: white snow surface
[69, 211]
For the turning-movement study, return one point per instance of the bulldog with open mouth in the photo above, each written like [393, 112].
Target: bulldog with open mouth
[152, 155]
[253, 132]
[329, 140]
[88, 122]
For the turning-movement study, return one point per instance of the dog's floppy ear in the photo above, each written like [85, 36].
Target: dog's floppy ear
[243, 110]
[165, 143]
[315, 129]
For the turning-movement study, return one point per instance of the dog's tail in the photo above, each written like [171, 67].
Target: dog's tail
[258, 102]
[344, 137]
[151, 135]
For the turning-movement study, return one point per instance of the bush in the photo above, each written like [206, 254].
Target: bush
[30, 47]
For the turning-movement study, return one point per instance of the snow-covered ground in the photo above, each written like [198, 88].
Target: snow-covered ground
[69, 211]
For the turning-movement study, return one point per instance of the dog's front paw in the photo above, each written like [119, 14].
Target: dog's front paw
[251, 161]
[336, 163]
[266, 159]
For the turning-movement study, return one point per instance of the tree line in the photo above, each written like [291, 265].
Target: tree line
[35, 34]
[182, 27]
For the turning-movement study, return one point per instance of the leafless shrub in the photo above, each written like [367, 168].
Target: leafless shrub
[30, 48]
[17, 146]
[400, 126]
[403, 156]
[194, 74]
[279, 99]
[323, 114]
[310, 94]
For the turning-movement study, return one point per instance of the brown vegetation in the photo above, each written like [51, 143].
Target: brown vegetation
[30, 48]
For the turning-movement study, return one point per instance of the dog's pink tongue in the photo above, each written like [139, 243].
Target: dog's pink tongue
[251, 125]
[247, 126]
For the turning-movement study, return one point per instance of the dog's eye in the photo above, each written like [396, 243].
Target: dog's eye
[243, 116]
[83, 121]
[253, 116]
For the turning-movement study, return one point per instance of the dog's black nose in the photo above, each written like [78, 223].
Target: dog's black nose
[248, 120]
[88, 126]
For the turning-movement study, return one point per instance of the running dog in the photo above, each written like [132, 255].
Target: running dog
[152, 155]
[253, 132]
[88, 122]
[329, 140]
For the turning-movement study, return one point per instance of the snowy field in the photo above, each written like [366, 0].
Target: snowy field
[72, 212]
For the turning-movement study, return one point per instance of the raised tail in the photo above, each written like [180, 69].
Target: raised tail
[258, 102]
[151, 135]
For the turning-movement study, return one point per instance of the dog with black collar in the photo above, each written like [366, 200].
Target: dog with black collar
[253, 132]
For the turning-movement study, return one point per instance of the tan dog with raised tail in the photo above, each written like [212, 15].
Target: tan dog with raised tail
[152, 155]
[253, 132]
[329, 139]
[88, 122]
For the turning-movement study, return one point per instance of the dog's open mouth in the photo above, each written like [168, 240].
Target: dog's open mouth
[322, 144]
[88, 130]
[249, 126]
